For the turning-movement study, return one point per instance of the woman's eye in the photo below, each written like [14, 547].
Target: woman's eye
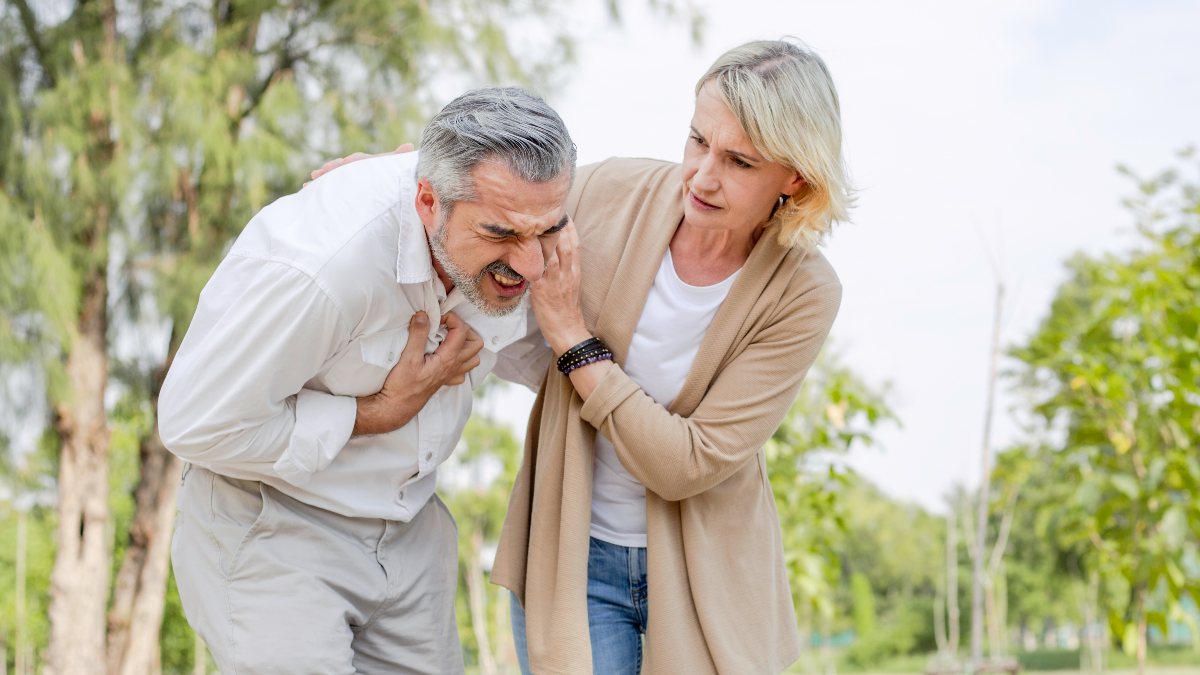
[742, 163]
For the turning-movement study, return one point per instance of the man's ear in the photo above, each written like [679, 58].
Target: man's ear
[428, 207]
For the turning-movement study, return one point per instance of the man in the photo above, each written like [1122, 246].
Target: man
[326, 374]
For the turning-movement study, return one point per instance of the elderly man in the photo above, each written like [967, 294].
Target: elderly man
[329, 370]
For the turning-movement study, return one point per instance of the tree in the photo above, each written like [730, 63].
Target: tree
[1114, 370]
[834, 410]
[892, 545]
[137, 139]
[476, 484]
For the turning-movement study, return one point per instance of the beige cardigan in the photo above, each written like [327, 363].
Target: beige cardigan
[718, 591]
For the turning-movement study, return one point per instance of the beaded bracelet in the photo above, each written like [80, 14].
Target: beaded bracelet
[604, 355]
[584, 346]
[578, 359]
[587, 352]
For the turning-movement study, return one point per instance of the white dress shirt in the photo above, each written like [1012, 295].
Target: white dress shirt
[309, 310]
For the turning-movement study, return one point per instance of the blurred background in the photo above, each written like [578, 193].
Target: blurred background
[993, 466]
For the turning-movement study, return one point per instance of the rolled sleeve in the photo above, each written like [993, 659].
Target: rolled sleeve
[324, 424]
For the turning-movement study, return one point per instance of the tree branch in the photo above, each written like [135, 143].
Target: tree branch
[1005, 527]
[29, 23]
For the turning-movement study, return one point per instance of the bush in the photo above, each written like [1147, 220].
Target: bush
[1050, 659]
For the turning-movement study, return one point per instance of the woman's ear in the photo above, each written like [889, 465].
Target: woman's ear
[793, 184]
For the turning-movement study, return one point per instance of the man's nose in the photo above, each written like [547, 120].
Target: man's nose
[529, 260]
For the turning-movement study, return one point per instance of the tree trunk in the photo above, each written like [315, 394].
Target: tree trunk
[939, 619]
[989, 616]
[199, 655]
[135, 619]
[79, 580]
[20, 666]
[1141, 631]
[506, 653]
[985, 476]
[83, 561]
[477, 593]
[952, 617]
[1097, 629]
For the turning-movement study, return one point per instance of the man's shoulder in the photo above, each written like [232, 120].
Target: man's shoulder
[353, 212]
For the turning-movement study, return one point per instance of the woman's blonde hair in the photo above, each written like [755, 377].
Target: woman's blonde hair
[784, 98]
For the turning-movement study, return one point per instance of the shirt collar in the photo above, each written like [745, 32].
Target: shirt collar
[497, 332]
[414, 265]
[413, 262]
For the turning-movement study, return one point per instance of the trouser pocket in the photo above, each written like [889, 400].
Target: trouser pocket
[238, 511]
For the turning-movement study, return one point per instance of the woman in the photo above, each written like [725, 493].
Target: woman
[685, 327]
[704, 282]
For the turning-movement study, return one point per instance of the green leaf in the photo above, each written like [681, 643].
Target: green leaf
[1174, 528]
[1125, 484]
[1129, 639]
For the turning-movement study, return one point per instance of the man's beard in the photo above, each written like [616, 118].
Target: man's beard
[470, 285]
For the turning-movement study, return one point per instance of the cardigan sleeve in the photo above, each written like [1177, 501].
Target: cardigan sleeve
[678, 457]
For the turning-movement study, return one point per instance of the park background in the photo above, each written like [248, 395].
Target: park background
[1020, 275]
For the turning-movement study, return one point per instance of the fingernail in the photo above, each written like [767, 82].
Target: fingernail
[420, 318]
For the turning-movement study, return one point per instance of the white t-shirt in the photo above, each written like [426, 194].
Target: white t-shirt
[668, 334]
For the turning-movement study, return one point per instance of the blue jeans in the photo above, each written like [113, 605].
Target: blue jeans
[617, 613]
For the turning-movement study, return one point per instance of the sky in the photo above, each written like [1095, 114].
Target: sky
[983, 138]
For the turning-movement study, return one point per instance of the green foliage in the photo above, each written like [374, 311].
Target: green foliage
[1114, 371]
[898, 549]
[833, 411]
[1050, 659]
[134, 147]
[475, 484]
[1043, 567]
[898, 636]
[40, 523]
[864, 605]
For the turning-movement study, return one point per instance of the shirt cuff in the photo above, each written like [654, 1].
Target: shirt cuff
[324, 424]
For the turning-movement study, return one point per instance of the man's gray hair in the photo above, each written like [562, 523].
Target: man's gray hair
[504, 124]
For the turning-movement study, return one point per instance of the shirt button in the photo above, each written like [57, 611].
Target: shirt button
[391, 356]
[495, 340]
[400, 496]
[428, 456]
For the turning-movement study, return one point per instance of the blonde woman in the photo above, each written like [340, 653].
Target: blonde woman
[678, 318]
[683, 317]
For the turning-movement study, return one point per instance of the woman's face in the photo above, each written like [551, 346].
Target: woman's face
[727, 182]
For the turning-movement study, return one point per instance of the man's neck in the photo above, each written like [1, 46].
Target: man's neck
[447, 283]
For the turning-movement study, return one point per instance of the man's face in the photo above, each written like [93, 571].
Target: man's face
[492, 247]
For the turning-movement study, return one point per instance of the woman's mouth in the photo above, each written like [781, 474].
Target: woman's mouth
[700, 203]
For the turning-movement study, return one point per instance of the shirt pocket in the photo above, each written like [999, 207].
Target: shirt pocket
[383, 349]
[361, 367]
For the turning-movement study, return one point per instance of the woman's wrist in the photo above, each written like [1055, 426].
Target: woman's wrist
[592, 350]
[564, 340]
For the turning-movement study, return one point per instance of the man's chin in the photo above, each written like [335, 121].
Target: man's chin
[500, 306]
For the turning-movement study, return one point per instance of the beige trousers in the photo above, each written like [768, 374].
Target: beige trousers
[274, 585]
